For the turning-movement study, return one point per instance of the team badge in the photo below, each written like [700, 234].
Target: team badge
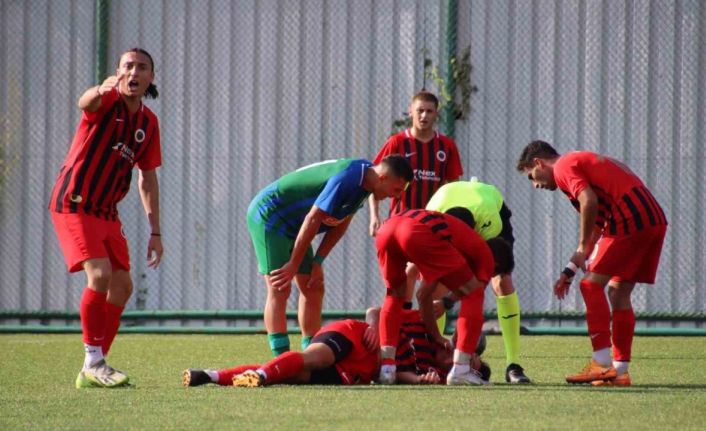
[139, 135]
[441, 156]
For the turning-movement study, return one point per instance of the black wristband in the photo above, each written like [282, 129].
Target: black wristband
[568, 272]
[448, 302]
[155, 234]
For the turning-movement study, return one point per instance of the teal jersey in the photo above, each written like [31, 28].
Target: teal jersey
[334, 186]
[482, 200]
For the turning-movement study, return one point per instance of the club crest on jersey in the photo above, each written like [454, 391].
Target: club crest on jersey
[125, 152]
[139, 135]
[77, 199]
[441, 156]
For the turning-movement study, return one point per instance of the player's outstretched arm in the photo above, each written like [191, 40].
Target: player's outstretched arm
[90, 100]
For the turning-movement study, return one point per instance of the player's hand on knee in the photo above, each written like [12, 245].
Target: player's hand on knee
[282, 277]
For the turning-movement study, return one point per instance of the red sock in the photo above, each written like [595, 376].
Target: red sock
[283, 367]
[391, 320]
[92, 311]
[597, 314]
[225, 376]
[623, 331]
[470, 321]
[112, 324]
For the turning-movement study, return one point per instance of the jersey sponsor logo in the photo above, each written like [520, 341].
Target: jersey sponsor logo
[426, 175]
[331, 221]
[441, 155]
[76, 198]
[125, 151]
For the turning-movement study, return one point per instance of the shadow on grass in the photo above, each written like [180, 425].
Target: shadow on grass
[640, 388]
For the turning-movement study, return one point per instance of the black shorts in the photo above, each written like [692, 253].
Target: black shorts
[341, 347]
[506, 232]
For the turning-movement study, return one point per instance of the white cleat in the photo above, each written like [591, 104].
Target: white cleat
[470, 378]
[388, 375]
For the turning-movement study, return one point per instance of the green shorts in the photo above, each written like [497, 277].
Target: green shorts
[274, 250]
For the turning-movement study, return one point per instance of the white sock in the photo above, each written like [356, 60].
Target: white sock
[461, 357]
[387, 352]
[602, 356]
[93, 355]
[460, 369]
[621, 366]
[213, 375]
[262, 373]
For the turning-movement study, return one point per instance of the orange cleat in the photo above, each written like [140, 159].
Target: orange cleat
[591, 372]
[621, 380]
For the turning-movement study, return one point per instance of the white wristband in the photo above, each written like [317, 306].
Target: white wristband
[572, 266]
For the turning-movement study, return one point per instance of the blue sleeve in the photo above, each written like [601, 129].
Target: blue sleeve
[341, 187]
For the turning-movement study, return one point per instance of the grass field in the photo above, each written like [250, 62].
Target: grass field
[37, 374]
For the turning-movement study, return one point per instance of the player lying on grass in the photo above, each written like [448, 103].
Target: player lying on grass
[344, 352]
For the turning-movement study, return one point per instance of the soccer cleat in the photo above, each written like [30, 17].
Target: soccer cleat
[516, 374]
[484, 371]
[248, 379]
[388, 375]
[472, 377]
[82, 382]
[591, 372]
[103, 375]
[620, 380]
[193, 377]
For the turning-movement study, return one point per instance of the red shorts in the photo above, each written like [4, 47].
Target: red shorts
[360, 366]
[402, 239]
[83, 237]
[629, 258]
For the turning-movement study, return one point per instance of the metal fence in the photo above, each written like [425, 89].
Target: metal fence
[250, 90]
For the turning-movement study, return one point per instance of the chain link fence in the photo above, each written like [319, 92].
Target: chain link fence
[251, 90]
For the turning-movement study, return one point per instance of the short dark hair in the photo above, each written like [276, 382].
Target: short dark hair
[534, 150]
[151, 92]
[463, 214]
[502, 252]
[426, 96]
[399, 166]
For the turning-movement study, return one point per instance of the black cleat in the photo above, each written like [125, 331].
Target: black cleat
[193, 377]
[516, 374]
[484, 371]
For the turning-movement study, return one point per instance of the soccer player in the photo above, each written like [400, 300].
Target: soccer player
[116, 132]
[448, 251]
[344, 352]
[622, 229]
[433, 157]
[491, 218]
[284, 218]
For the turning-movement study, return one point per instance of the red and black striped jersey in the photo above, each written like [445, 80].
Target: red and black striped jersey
[434, 163]
[416, 350]
[97, 171]
[467, 241]
[625, 205]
